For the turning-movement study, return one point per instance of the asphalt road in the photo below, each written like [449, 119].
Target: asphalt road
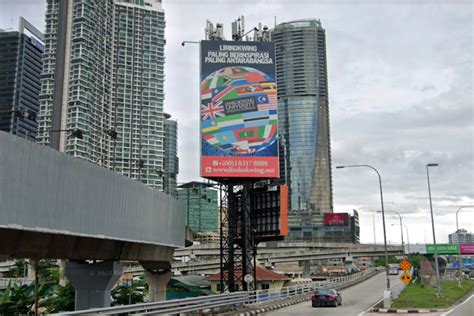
[355, 299]
[466, 308]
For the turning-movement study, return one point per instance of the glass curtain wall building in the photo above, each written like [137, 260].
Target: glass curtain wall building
[201, 205]
[304, 124]
[20, 70]
[171, 162]
[103, 75]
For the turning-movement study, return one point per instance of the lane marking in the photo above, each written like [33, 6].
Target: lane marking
[452, 310]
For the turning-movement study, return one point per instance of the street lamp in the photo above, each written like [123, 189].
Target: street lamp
[183, 43]
[383, 217]
[438, 283]
[459, 244]
[408, 237]
[401, 229]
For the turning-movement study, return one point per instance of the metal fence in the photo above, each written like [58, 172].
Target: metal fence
[226, 301]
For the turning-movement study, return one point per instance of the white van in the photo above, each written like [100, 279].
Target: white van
[393, 268]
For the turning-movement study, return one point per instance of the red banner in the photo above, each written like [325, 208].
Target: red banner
[336, 219]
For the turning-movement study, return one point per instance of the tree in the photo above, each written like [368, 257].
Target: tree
[129, 294]
[62, 299]
[18, 299]
[380, 262]
[416, 259]
[18, 270]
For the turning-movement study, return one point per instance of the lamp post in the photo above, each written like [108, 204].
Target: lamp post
[459, 244]
[401, 229]
[438, 283]
[383, 217]
[408, 239]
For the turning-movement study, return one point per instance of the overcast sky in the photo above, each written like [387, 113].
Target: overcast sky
[400, 93]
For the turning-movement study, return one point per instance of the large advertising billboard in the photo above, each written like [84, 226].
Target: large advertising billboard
[467, 249]
[238, 111]
[442, 249]
[336, 219]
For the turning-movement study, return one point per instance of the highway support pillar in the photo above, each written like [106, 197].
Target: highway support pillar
[157, 285]
[93, 282]
[157, 275]
[306, 269]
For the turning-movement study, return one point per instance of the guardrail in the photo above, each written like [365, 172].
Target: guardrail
[227, 300]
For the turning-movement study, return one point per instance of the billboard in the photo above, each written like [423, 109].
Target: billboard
[467, 249]
[336, 219]
[442, 248]
[238, 110]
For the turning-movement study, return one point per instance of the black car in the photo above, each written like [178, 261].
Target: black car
[326, 298]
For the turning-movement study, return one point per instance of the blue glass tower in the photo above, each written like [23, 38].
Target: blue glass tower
[304, 124]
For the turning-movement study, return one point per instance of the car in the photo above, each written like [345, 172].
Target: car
[329, 297]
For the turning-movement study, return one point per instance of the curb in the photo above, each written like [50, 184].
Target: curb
[403, 311]
[273, 307]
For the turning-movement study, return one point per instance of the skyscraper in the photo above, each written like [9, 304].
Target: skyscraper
[102, 84]
[303, 110]
[171, 161]
[20, 70]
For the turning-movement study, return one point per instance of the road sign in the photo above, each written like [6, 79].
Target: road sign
[248, 278]
[406, 278]
[405, 265]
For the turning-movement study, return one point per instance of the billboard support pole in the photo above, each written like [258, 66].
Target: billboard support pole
[248, 247]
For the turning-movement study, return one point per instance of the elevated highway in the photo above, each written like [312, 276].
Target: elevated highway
[205, 263]
[55, 206]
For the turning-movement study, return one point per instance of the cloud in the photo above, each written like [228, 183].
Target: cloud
[400, 87]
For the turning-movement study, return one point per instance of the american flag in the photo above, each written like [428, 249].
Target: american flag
[211, 111]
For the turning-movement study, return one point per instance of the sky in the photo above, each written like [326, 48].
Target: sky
[400, 96]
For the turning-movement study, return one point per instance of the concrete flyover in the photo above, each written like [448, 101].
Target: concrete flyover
[208, 264]
[55, 206]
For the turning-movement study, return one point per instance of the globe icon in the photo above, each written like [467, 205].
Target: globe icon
[238, 110]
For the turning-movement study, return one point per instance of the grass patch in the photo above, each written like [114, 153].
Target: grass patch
[418, 296]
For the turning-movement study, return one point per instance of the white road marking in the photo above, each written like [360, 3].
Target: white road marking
[452, 310]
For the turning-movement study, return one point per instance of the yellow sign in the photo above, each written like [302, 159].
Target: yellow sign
[405, 265]
[406, 278]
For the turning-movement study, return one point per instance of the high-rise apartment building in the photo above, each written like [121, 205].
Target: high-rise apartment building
[171, 161]
[201, 205]
[303, 114]
[461, 236]
[102, 84]
[20, 70]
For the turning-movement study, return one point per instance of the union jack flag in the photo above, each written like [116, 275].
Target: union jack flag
[211, 111]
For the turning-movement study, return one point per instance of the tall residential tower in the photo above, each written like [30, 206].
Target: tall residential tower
[102, 84]
[303, 110]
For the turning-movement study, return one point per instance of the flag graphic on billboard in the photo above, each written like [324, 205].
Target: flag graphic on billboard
[238, 111]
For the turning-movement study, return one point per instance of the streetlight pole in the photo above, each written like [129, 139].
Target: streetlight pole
[401, 229]
[383, 217]
[438, 282]
[459, 244]
[408, 238]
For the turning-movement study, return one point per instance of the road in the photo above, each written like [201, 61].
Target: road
[355, 299]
